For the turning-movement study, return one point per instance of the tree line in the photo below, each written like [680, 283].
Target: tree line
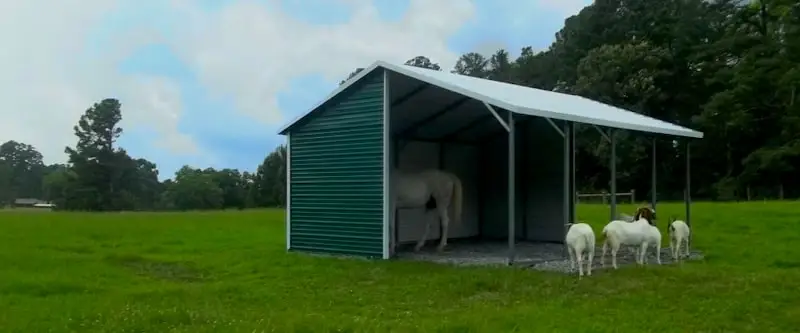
[101, 176]
[728, 68]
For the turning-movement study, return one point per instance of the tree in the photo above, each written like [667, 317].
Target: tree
[423, 62]
[56, 184]
[21, 170]
[94, 161]
[270, 179]
[501, 67]
[352, 74]
[728, 68]
[472, 64]
[193, 189]
[233, 188]
[6, 178]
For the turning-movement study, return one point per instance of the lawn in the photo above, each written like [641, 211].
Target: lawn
[229, 272]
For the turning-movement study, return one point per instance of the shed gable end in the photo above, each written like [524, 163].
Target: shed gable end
[336, 177]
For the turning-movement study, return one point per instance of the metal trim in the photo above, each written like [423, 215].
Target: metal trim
[387, 137]
[288, 213]
[555, 127]
[512, 191]
[499, 119]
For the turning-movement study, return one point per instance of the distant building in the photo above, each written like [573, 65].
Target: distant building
[31, 203]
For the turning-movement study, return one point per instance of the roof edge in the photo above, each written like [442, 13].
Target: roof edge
[681, 131]
[337, 91]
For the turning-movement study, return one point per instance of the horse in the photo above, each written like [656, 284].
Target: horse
[430, 189]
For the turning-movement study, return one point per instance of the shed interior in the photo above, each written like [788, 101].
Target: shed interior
[436, 128]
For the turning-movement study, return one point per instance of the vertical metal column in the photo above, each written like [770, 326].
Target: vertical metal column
[653, 184]
[395, 213]
[511, 189]
[688, 195]
[289, 191]
[567, 175]
[573, 180]
[440, 163]
[613, 163]
[388, 203]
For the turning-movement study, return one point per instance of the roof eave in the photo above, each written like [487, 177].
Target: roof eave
[285, 129]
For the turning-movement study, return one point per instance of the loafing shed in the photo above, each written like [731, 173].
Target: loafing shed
[512, 146]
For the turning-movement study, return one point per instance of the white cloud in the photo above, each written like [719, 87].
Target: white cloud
[250, 53]
[564, 7]
[50, 76]
[244, 51]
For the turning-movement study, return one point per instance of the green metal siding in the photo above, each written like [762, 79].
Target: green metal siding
[336, 175]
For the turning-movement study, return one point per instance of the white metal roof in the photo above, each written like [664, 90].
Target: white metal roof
[526, 100]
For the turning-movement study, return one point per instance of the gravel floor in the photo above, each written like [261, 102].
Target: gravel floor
[539, 256]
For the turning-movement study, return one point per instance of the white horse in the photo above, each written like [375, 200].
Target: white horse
[430, 189]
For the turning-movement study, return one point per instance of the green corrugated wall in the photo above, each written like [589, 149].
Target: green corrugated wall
[336, 177]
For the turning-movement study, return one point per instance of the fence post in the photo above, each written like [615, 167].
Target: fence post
[633, 196]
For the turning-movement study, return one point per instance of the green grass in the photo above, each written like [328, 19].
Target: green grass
[229, 272]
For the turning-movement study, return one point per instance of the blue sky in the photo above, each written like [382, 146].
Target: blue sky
[234, 140]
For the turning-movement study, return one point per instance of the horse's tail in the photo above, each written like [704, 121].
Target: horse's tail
[458, 198]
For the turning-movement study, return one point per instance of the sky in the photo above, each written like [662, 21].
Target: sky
[209, 83]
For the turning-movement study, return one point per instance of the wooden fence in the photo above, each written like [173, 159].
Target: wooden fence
[605, 196]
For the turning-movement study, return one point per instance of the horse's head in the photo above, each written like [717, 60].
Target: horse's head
[647, 213]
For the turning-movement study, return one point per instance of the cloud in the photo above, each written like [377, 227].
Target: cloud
[249, 52]
[246, 52]
[210, 82]
[52, 73]
[564, 7]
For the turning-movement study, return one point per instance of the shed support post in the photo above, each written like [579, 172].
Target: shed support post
[613, 164]
[440, 163]
[388, 203]
[289, 191]
[512, 201]
[654, 171]
[688, 195]
[395, 214]
[567, 188]
[573, 180]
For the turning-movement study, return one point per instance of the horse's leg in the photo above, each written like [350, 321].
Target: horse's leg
[445, 220]
[424, 238]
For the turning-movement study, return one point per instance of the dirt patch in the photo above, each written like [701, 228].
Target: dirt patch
[181, 271]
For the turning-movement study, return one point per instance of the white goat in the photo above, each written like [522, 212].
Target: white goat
[678, 233]
[653, 238]
[580, 237]
[626, 217]
[638, 233]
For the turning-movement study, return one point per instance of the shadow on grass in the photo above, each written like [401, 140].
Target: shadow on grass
[180, 271]
[43, 289]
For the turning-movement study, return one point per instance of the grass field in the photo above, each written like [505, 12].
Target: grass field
[229, 272]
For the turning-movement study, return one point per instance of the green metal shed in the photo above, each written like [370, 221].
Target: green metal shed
[340, 154]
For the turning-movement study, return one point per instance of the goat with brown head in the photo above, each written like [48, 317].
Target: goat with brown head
[647, 213]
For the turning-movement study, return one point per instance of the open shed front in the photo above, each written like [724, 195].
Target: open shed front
[517, 168]
[436, 128]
